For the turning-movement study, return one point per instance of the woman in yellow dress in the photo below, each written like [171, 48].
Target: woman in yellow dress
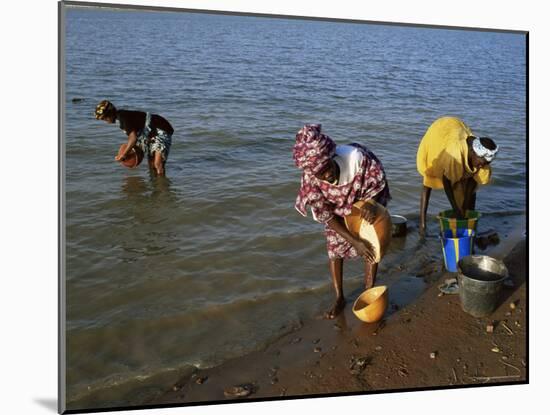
[450, 157]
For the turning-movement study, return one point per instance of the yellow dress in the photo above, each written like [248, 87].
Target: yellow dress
[443, 151]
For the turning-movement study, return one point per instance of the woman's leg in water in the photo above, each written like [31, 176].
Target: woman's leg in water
[336, 267]
[424, 202]
[159, 163]
[370, 274]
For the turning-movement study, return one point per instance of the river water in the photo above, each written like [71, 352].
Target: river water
[213, 261]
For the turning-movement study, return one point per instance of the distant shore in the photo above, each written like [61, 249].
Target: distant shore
[429, 343]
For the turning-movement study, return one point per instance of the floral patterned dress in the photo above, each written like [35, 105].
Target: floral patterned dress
[326, 200]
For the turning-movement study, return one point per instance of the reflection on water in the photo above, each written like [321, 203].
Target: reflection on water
[133, 186]
[157, 186]
[161, 185]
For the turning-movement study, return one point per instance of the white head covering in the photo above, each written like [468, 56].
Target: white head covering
[483, 151]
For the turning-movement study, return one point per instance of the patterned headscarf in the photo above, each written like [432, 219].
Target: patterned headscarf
[103, 109]
[483, 151]
[312, 150]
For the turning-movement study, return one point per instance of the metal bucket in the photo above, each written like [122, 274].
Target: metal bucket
[398, 226]
[480, 279]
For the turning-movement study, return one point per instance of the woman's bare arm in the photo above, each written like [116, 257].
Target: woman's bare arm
[132, 140]
[363, 248]
[448, 186]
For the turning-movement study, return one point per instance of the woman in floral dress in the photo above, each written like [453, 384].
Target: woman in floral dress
[334, 177]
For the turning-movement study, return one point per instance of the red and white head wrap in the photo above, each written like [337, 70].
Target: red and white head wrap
[312, 150]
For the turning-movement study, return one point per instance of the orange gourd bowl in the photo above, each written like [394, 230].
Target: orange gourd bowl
[371, 305]
[378, 233]
[133, 158]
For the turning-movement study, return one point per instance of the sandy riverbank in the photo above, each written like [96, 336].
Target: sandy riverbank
[321, 357]
[347, 356]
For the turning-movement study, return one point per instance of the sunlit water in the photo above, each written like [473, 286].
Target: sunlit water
[213, 261]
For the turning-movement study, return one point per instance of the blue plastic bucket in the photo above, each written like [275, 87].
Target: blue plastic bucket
[456, 244]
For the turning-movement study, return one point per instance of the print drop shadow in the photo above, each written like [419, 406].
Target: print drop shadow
[48, 403]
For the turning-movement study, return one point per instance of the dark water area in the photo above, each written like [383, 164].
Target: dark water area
[213, 261]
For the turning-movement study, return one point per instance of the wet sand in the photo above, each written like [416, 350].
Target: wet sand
[429, 343]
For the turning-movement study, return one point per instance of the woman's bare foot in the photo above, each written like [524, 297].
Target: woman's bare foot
[336, 309]
[422, 231]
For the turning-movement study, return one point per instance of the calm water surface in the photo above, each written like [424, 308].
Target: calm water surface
[213, 261]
